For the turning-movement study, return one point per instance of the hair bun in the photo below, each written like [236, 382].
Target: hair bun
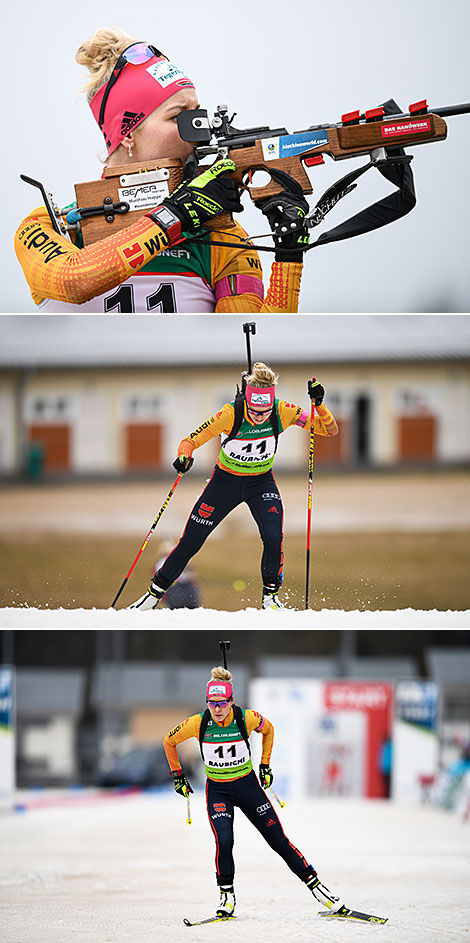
[99, 54]
[220, 674]
[262, 375]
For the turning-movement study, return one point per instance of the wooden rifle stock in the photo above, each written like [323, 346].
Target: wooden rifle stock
[353, 139]
[344, 141]
[112, 189]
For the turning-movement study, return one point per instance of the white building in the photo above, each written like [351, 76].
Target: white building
[114, 396]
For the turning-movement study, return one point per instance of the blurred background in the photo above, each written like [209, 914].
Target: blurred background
[91, 414]
[334, 59]
[356, 713]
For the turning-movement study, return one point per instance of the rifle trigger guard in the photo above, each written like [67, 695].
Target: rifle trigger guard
[379, 158]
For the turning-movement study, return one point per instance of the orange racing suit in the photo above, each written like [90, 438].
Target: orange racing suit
[139, 269]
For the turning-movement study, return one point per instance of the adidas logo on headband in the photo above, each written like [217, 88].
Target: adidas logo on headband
[129, 120]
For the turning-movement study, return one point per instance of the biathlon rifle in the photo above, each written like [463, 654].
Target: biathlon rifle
[225, 648]
[382, 133]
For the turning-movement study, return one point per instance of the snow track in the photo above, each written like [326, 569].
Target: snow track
[243, 619]
[127, 869]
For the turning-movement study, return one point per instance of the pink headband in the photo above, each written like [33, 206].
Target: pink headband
[139, 90]
[260, 397]
[219, 689]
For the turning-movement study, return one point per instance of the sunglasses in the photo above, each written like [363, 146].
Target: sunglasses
[221, 704]
[135, 55]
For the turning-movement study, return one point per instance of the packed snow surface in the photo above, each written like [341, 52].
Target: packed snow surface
[97, 868]
[244, 619]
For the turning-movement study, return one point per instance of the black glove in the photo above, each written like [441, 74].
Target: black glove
[197, 201]
[285, 213]
[316, 391]
[266, 776]
[181, 784]
[183, 463]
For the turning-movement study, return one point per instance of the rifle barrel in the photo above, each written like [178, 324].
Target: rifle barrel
[448, 110]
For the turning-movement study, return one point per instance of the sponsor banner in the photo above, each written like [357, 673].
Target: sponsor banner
[406, 127]
[328, 735]
[415, 741]
[144, 197]
[417, 702]
[292, 144]
[374, 701]
[7, 737]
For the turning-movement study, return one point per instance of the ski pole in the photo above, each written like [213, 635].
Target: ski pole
[309, 505]
[279, 801]
[188, 807]
[146, 539]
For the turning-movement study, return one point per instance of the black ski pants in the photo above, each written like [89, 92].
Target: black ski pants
[247, 794]
[222, 494]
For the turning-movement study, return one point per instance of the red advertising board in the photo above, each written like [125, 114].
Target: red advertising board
[374, 700]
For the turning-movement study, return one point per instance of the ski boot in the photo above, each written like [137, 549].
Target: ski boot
[323, 895]
[150, 599]
[270, 597]
[227, 902]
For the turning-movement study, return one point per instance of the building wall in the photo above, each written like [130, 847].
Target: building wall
[121, 419]
[8, 456]
[150, 725]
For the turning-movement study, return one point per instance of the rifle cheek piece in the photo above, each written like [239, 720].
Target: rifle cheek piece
[194, 126]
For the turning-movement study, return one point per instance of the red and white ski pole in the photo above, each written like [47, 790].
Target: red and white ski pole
[171, 491]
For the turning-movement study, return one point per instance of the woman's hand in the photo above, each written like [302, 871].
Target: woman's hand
[200, 200]
[266, 776]
[285, 213]
[183, 463]
[316, 391]
[181, 784]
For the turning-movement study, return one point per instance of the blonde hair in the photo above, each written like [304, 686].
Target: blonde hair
[99, 54]
[220, 674]
[262, 375]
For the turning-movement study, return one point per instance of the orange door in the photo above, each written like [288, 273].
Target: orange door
[143, 445]
[417, 437]
[56, 441]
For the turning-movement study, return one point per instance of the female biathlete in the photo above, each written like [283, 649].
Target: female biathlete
[242, 474]
[135, 95]
[223, 732]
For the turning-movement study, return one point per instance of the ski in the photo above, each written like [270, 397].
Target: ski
[345, 914]
[198, 923]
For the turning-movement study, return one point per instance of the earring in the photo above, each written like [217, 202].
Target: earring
[130, 150]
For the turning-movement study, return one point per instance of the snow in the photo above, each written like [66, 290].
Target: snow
[119, 869]
[244, 618]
